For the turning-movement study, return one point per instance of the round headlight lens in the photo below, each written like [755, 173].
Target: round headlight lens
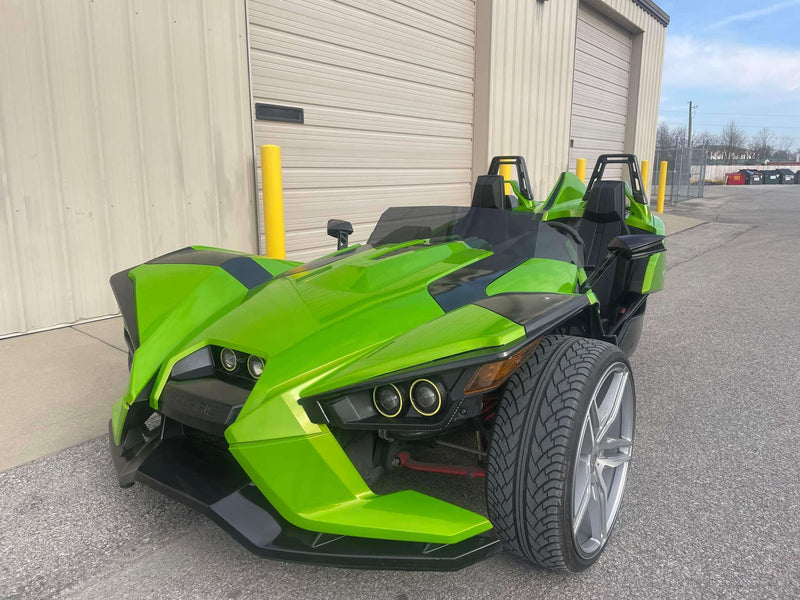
[387, 400]
[227, 358]
[255, 366]
[426, 397]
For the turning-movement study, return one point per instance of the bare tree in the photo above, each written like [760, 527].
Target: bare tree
[783, 150]
[785, 143]
[664, 136]
[703, 138]
[680, 136]
[762, 144]
[732, 139]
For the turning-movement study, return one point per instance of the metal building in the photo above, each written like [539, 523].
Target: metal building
[130, 128]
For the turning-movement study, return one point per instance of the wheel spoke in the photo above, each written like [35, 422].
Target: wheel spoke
[623, 444]
[583, 504]
[613, 461]
[613, 399]
[591, 428]
[593, 424]
[598, 514]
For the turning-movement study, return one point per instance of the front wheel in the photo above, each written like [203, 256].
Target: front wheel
[558, 459]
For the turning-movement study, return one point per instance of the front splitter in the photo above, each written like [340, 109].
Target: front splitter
[208, 479]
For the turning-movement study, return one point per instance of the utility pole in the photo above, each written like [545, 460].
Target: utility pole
[692, 108]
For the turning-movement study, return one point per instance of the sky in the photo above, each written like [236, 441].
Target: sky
[737, 60]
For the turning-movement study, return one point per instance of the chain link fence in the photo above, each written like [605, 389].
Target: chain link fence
[686, 173]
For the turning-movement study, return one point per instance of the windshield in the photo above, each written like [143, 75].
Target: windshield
[519, 234]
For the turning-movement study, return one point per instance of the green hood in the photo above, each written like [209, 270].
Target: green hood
[335, 322]
[313, 322]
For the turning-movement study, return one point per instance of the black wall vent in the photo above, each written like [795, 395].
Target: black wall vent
[283, 114]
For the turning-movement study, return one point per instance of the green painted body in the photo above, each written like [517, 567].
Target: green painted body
[567, 194]
[327, 328]
[321, 330]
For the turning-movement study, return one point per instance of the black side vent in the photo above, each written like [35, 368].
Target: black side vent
[282, 114]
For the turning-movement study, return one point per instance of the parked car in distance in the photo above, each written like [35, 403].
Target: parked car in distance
[786, 175]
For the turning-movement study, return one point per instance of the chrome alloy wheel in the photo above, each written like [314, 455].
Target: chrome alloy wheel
[601, 465]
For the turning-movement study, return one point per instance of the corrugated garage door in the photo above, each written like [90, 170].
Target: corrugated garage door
[387, 91]
[600, 87]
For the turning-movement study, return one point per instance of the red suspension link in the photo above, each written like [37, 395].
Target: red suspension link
[406, 461]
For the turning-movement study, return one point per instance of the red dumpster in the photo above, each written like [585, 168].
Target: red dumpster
[734, 178]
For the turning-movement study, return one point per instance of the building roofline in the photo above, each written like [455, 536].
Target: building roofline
[653, 9]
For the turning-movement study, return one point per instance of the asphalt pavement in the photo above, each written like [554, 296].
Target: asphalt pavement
[713, 504]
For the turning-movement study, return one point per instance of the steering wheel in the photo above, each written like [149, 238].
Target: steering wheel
[566, 229]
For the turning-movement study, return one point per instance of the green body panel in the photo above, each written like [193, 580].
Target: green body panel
[523, 203]
[151, 304]
[640, 215]
[451, 334]
[197, 294]
[658, 225]
[167, 329]
[119, 411]
[312, 480]
[657, 264]
[365, 315]
[654, 275]
[566, 194]
[537, 275]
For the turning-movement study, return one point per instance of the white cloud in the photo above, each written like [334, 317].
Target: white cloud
[725, 67]
[751, 14]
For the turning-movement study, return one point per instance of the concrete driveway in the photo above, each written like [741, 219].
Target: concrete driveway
[714, 496]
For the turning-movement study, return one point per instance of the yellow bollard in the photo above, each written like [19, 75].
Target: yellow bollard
[662, 185]
[645, 176]
[272, 186]
[505, 171]
[580, 169]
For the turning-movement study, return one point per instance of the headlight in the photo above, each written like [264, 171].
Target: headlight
[426, 397]
[255, 366]
[388, 400]
[220, 362]
[227, 359]
[413, 404]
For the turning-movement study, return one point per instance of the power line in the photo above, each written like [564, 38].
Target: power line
[716, 114]
[696, 125]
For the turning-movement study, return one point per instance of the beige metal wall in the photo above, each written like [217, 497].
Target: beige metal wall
[531, 75]
[387, 90]
[124, 133]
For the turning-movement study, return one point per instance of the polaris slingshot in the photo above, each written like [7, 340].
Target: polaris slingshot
[273, 395]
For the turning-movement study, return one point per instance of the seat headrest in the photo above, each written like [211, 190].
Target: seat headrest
[489, 192]
[606, 202]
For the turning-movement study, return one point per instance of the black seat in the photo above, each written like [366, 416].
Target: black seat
[603, 220]
[489, 193]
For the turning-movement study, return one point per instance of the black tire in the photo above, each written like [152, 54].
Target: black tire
[534, 445]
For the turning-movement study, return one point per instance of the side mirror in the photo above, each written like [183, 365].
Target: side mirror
[341, 230]
[637, 246]
[629, 247]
